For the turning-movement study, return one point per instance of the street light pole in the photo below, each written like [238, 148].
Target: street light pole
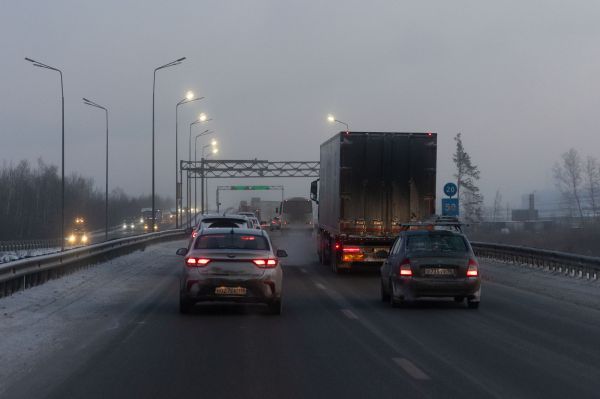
[204, 133]
[62, 180]
[170, 64]
[203, 179]
[178, 202]
[93, 104]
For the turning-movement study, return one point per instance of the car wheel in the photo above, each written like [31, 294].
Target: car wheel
[394, 302]
[459, 299]
[385, 296]
[473, 304]
[275, 307]
[185, 306]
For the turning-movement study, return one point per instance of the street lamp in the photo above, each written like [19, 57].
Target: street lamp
[189, 97]
[170, 64]
[93, 104]
[204, 181]
[62, 181]
[204, 133]
[331, 119]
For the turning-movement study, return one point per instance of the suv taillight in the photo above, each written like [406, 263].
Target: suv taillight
[405, 269]
[265, 263]
[196, 262]
[473, 268]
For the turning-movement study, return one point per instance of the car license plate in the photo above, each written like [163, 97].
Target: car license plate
[439, 272]
[230, 291]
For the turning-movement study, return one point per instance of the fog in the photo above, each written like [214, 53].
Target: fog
[518, 79]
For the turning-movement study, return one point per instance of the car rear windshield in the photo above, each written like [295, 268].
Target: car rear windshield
[232, 241]
[223, 222]
[435, 243]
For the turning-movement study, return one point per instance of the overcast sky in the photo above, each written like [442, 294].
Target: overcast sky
[517, 78]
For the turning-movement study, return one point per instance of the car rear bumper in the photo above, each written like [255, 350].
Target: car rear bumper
[415, 287]
[259, 290]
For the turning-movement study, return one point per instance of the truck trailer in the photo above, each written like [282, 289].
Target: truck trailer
[370, 183]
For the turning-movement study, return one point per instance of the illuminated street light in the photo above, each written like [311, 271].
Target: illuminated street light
[332, 119]
[202, 117]
[189, 97]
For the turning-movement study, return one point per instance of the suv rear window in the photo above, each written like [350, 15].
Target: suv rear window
[232, 241]
[435, 243]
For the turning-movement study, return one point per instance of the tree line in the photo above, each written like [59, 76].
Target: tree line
[578, 181]
[30, 202]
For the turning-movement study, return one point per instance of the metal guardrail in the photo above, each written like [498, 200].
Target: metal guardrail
[25, 273]
[25, 245]
[566, 263]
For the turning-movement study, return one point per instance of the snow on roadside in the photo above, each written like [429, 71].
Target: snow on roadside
[579, 291]
[92, 302]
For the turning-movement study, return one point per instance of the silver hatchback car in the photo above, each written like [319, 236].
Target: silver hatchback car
[232, 265]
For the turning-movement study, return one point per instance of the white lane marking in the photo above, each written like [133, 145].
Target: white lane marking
[350, 314]
[321, 286]
[411, 369]
[303, 270]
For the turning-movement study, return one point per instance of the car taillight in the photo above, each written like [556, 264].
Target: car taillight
[265, 263]
[337, 246]
[473, 268]
[351, 249]
[197, 262]
[194, 234]
[405, 269]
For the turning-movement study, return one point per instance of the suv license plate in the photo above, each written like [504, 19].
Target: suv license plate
[230, 291]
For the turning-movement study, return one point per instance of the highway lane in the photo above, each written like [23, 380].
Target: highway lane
[334, 339]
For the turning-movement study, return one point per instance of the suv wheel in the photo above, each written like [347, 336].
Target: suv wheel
[394, 302]
[385, 296]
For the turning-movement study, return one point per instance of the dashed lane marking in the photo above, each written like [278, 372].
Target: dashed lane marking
[350, 314]
[411, 369]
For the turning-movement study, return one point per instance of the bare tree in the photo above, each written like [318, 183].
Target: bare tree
[568, 177]
[467, 174]
[592, 182]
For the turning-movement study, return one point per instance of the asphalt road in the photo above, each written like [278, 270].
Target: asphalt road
[335, 339]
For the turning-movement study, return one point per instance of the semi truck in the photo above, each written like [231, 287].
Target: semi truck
[296, 211]
[370, 183]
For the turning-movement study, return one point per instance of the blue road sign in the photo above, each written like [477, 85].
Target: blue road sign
[450, 189]
[450, 207]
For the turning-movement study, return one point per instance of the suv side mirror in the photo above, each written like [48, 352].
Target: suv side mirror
[182, 251]
[189, 231]
[281, 253]
[381, 255]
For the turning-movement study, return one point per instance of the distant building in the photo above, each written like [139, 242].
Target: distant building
[527, 214]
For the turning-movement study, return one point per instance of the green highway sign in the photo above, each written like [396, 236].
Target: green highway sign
[245, 188]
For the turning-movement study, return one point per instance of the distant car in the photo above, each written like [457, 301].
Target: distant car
[275, 223]
[220, 221]
[78, 236]
[234, 265]
[256, 223]
[431, 263]
[128, 224]
[248, 214]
